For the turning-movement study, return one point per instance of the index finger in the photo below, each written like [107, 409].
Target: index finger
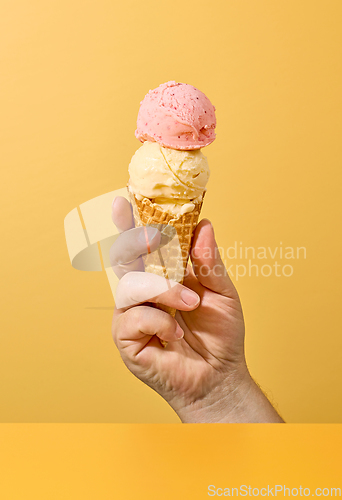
[122, 214]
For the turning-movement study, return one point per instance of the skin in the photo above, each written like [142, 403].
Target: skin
[202, 372]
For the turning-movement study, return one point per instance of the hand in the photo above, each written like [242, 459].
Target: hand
[202, 372]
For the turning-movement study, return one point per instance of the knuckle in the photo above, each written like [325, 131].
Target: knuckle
[134, 317]
[136, 287]
[125, 291]
[165, 322]
[116, 328]
[129, 321]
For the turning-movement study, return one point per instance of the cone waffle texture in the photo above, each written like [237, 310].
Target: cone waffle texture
[171, 258]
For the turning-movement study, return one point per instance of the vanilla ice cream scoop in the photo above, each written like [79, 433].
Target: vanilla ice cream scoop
[171, 178]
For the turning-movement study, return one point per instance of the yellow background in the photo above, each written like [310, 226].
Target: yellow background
[72, 76]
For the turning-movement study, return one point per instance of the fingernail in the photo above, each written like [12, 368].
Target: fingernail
[146, 235]
[179, 332]
[188, 297]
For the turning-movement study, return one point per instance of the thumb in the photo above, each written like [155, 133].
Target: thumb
[207, 263]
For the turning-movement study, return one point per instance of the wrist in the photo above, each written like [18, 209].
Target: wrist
[237, 399]
[224, 403]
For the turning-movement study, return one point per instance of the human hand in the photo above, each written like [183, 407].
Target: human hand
[202, 373]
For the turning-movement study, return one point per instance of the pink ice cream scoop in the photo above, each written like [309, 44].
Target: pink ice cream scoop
[177, 116]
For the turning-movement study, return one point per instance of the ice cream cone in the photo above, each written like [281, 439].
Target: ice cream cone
[168, 174]
[170, 260]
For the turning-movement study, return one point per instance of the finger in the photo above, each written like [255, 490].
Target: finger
[122, 214]
[139, 324]
[207, 263]
[129, 246]
[135, 288]
[133, 243]
[122, 269]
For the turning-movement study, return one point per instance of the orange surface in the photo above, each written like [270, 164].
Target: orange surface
[68, 461]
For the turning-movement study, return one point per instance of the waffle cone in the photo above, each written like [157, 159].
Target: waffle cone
[170, 260]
